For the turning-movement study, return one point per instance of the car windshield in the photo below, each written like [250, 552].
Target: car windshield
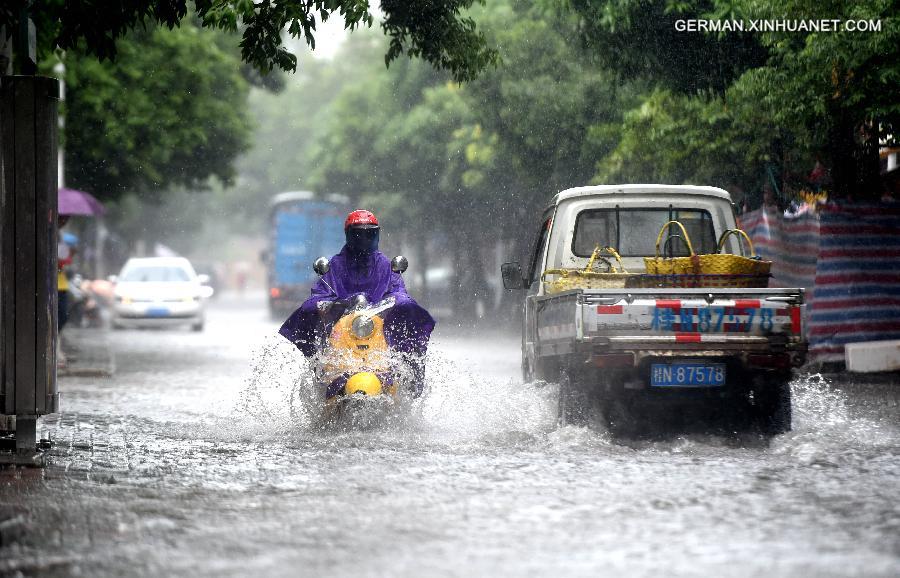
[633, 232]
[155, 274]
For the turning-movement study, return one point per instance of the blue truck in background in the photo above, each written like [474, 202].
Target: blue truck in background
[303, 227]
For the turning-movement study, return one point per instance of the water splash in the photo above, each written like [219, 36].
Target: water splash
[465, 406]
[827, 429]
[817, 404]
[279, 395]
[459, 404]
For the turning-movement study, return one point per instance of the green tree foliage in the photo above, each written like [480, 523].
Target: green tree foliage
[432, 30]
[408, 130]
[384, 135]
[837, 89]
[170, 111]
[290, 126]
[542, 101]
[146, 145]
[435, 32]
[789, 97]
[674, 138]
[638, 40]
[452, 161]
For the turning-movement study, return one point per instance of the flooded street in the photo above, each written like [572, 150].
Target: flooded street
[677, 203]
[197, 459]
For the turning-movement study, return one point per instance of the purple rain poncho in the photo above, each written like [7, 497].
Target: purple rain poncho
[407, 326]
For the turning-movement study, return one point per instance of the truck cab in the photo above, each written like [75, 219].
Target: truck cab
[623, 351]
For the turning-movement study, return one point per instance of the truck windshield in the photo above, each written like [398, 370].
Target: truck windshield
[633, 232]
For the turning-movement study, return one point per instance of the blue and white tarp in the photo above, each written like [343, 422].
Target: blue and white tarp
[790, 242]
[847, 257]
[857, 290]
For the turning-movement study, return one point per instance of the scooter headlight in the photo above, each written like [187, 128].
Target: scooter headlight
[362, 326]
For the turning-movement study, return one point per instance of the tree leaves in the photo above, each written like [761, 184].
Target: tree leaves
[170, 111]
[436, 32]
[833, 93]
[433, 30]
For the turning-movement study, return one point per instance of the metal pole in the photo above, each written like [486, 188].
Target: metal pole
[28, 294]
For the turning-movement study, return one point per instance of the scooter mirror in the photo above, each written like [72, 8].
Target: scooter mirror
[399, 264]
[321, 266]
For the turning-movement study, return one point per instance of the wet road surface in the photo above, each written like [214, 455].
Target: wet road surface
[197, 459]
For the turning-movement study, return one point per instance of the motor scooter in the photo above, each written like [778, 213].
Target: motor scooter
[354, 364]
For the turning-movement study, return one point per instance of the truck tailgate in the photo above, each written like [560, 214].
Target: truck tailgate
[663, 318]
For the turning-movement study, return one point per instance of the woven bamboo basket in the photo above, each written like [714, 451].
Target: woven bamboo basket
[673, 265]
[588, 278]
[727, 264]
[710, 264]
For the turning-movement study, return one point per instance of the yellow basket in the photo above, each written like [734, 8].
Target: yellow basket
[715, 264]
[587, 278]
[727, 264]
[673, 265]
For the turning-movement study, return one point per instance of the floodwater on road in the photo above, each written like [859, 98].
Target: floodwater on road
[197, 459]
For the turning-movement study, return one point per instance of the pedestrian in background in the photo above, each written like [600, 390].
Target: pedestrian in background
[64, 255]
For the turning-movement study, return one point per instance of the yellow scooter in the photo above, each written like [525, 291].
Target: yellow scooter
[355, 366]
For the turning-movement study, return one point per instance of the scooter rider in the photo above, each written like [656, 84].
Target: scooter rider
[361, 269]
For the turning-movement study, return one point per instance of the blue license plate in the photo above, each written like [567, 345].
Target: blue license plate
[157, 312]
[687, 374]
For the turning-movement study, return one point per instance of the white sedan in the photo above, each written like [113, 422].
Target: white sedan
[159, 292]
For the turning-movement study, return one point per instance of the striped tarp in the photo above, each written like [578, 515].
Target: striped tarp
[791, 243]
[857, 285]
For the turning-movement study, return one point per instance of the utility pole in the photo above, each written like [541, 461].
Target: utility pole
[28, 213]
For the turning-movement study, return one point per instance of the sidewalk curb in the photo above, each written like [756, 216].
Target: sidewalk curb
[85, 372]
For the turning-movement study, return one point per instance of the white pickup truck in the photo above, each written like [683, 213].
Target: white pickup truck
[633, 353]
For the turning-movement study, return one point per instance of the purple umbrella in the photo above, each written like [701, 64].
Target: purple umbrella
[72, 202]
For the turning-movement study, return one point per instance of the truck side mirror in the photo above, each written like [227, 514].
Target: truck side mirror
[512, 276]
[399, 264]
[321, 266]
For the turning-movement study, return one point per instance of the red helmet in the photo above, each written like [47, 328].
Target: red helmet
[360, 217]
